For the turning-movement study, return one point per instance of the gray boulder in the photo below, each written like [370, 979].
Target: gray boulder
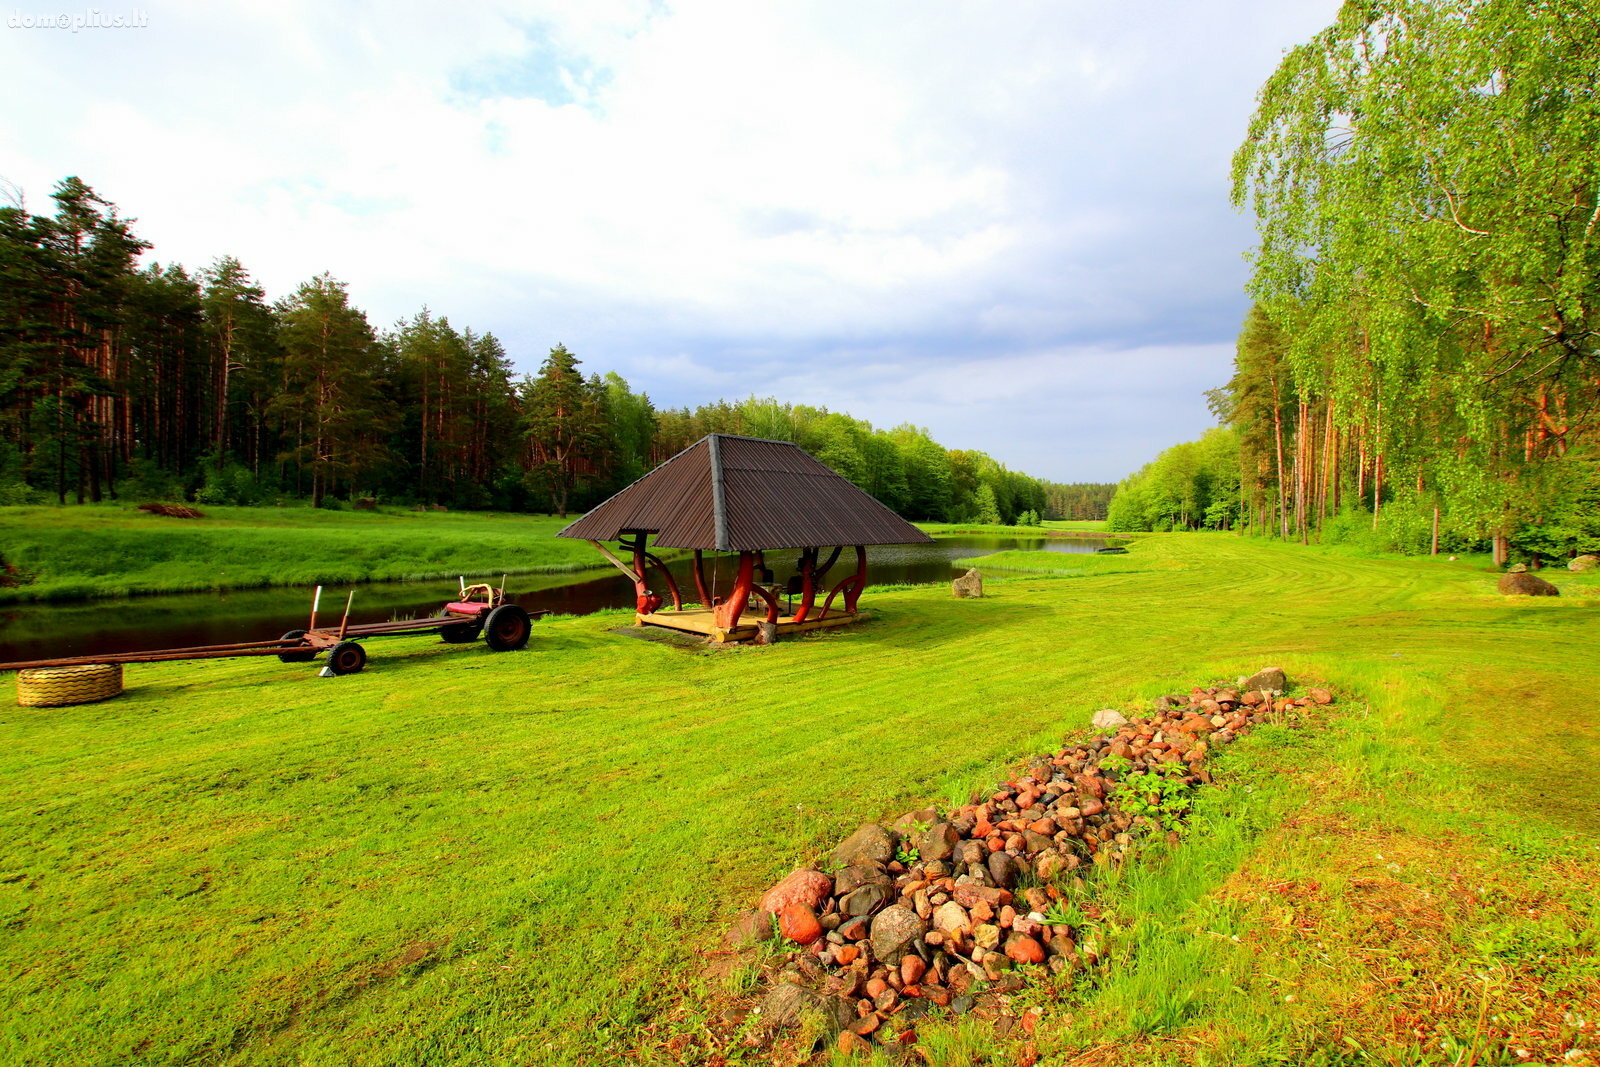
[850, 879]
[866, 900]
[893, 930]
[1584, 563]
[1267, 678]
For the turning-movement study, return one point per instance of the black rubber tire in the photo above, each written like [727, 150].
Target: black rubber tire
[507, 628]
[297, 657]
[346, 657]
[460, 633]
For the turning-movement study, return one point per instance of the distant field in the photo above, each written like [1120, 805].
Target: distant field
[109, 551]
[467, 858]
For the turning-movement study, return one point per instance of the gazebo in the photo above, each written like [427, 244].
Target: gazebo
[749, 495]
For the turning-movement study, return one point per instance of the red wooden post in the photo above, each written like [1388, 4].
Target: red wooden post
[729, 610]
[644, 600]
[672, 583]
[853, 593]
[808, 583]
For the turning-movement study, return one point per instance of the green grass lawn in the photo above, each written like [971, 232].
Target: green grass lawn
[463, 857]
[112, 551]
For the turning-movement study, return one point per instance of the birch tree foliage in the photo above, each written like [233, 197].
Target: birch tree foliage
[1424, 177]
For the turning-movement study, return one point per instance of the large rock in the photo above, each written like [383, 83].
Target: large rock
[893, 931]
[870, 844]
[969, 584]
[939, 843]
[808, 887]
[911, 821]
[788, 1003]
[866, 900]
[1267, 678]
[1521, 583]
[1109, 719]
[799, 924]
[950, 917]
[852, 878]
[1005, 869]
[1584, 563]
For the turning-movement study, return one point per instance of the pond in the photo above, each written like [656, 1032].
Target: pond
[44, 631]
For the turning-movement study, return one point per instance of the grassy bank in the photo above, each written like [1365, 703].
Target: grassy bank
[72, 553]
[462, 857]
[1054, 528]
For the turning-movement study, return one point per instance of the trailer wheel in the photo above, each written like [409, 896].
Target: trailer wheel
[346, 657]
[507, 628]
[297, 657]
[459, 633]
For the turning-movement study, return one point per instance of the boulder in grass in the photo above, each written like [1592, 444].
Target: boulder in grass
[808, 887]
[968, 586]
[1267, 678]
[1521, 583]
[1584, 563]
[870, 844]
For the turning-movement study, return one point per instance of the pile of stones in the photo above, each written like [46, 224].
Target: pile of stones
[938, 911]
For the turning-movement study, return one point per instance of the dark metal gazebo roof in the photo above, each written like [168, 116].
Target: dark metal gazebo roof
[732, 494]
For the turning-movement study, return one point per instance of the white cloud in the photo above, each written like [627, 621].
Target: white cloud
[670, 189]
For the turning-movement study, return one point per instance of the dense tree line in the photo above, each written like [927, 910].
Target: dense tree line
[122, 381]
[1190, 486]
[1423, 351]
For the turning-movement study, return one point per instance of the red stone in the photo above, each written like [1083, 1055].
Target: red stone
[912, 968]
[799, 924]
[854, 930]
[875, 988]
[1024, 949]
[807, 887]
[844, 955]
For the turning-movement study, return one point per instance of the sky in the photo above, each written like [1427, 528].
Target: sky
[1007, 222]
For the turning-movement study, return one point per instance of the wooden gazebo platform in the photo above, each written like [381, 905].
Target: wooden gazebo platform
[726, 493]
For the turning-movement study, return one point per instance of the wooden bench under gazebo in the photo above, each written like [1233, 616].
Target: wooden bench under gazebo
[726, 493]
